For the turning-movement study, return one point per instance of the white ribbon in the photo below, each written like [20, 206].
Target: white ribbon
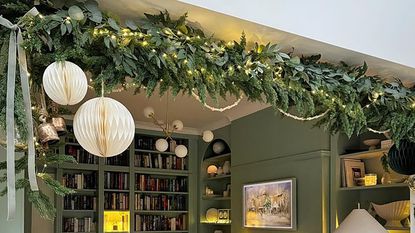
[15, 44]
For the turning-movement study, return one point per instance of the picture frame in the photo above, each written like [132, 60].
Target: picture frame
[353, 169]
[270, 205]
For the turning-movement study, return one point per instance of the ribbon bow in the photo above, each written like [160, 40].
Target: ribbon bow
[15, 42]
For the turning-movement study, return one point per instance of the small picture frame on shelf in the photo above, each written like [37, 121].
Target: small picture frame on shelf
[354, 170]
[224, 215]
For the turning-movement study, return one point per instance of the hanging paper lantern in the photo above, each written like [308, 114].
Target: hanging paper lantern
[162, 144]
[207, 136]
[181, 151]
[104, 127]
[402, 159]
[177, 124]
[65, 83]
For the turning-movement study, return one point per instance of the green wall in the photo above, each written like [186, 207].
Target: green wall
[17, 225]
[266, 147]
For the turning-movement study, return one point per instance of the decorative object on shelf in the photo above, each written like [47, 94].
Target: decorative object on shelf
[227, 192]
[353, 169]
[65, 83]
[168, 130]
[207, 136]
[212, 170]
[181, 151]
[162, 144]
[59, 124]
[371, 179]
[219, 172]
[360, 221]
[218, 147]
[371, 143]
[104, 127]
[386, 144]
[218, 231]
[402, 159]
[116, 221]
[224, 215]
[209, 191]
[386, 178]
[212, 215]
[393, 212]
[264, 203]
[46, 132]
[227, 167]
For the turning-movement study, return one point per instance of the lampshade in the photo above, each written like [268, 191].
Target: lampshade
[360, 221]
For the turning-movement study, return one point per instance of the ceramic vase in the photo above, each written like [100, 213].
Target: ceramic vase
[227, 167]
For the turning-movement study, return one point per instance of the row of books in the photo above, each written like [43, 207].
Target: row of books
[79, 225]
[119, 160]
[81, 155]
[160, 223]
[149, 143]
[80, 180]
[160, 161]
[116, 201]
[149, 183]
[116, 180]
[159, 202]
[79, 202]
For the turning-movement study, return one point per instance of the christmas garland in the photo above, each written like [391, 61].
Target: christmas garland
[165, 54]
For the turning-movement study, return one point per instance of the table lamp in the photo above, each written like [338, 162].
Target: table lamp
[360, 221]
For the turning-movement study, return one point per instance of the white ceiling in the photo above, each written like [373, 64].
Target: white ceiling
[188, 109]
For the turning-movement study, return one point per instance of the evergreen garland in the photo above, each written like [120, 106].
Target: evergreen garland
[169, 54]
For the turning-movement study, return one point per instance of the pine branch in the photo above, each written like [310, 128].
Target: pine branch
[53, 184]
[43, 204]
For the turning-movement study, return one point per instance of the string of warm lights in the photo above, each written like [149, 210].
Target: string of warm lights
[217, 109]
[378, 131]
[303, 118]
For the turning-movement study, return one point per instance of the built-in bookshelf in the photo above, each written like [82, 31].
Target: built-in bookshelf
[215, 192]
[152, 186]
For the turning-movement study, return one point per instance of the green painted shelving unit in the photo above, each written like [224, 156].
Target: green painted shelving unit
[100, 168]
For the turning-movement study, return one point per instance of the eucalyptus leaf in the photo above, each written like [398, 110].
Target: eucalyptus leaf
[131, 24]
[113, 24]
[76, 13]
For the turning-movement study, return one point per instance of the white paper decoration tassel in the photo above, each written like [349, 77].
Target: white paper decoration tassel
[104, 127]
[65, 83]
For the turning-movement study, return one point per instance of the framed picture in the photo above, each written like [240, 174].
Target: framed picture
[270, 205]
[353, 169]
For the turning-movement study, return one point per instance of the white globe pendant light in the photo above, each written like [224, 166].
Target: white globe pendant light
[162, 144]
[65, 83]
[104, 127]
[207, 136]
[177, 125]
[180, 151]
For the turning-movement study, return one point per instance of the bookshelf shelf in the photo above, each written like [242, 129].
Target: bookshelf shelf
[116, 190]
[218, 158]
[114, 168]
[155, 152]
[79, 166]
[216, 223]
[157, 171]
[216, 198]
[162, 192]
[219, 177]
[161, 231]
[379, 186]
[369, 154]
[161, 211]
